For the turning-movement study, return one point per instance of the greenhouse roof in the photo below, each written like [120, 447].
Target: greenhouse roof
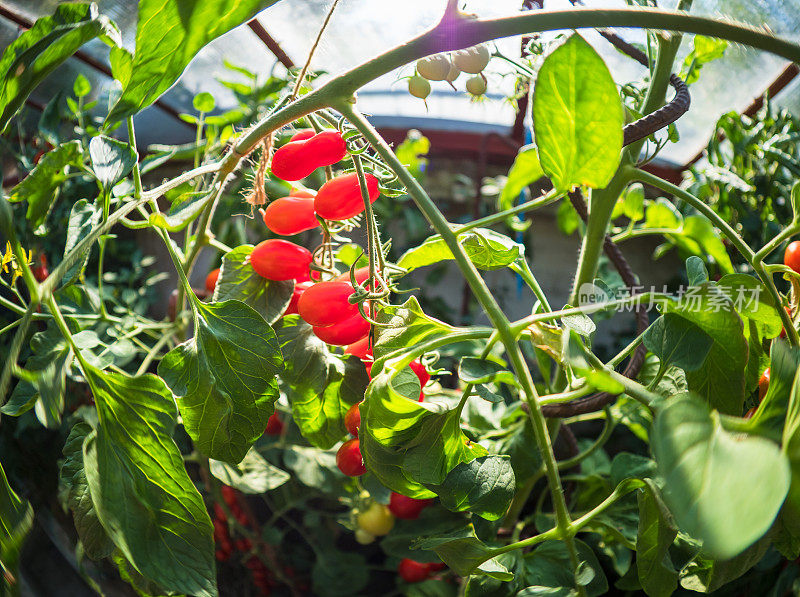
[359, 30]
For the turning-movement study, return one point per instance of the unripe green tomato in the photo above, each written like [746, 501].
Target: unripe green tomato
[419, 87]
[472, 60]
[453, 74]
[434, 68]
[363, 537]
[376, 520]
[476, 85]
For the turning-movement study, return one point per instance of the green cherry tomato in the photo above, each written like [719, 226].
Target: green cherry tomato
[419, 87]
[376, 520]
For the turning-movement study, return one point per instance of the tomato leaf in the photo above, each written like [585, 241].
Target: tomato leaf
[655, 535]
[723, 489]
[237, 280]
[549, 566]
[321, 386]
[139, 486]
[577, 117]
[721, 378]
[40, 188]
[677, 341]
[36, 53]
[484, 486]
[487, 249]
[252, 475]
[111, 160]
[704, 575]
[477, 371]
[184, 211]
[224, 379]
[525, 171]
[96, 542]
[16, 520]
[462, 551]
[169, 34]
[82, 218]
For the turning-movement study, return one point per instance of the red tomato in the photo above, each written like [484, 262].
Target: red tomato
[345, 332]
[423, 375]
[274, 425]
[349, 459]
[352, 420]
[361, 349]
[791, 256]
[763, 384]
[277, 259]
[302, 193]
[298, 159]
[340, 198]
[302, 135]
[411, 571]
[290, 215]
[361, 274]
[299, 289]
[325, 303]
[40, 271]
[406, 507]
[211, 279]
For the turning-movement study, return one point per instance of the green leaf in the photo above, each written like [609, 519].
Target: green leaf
[82, 218]
[724, 489]
[409, 445]
[16, 519]
[770, 416]
[111, 160]
[549, 566]
[696, 271]
[140, 489]
[706, 576]
[224, 378]
[577, 120]
[238, 280]
[487, 249]
[321, 386]
[662, 214]
[81, 87]
[477, 371]
[183, 212]
[720, 380]
[432, 521]
[36, 53]
[752, 300]
[338, 573]
[40, 188]
[784, 361]
[169, 34]
[462, 551]
[698, 229]
[252, 475]
[677, 341]
[404, 326]
[656, 533]
[525, 171]
[547, 592]
[704, 50]
[484, 486]
[96, 542]
[314, 468]
[204, 102]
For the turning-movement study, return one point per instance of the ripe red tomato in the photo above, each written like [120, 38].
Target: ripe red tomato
[299, 289]
[361, 349]
[298, 159]
[763, 384]
[791, 256]
[423, 375]
[325, 303]
[406, 507]
[277, 259]
[340, 198]
[343, 333]
[412, 571]
[302, 135]
[349, 459]
[291, 215]
[352, 420]
[211, 279]
[274, 425]
[40, 271]
[361, 275]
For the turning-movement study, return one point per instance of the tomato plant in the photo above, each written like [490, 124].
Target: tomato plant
[210, 448]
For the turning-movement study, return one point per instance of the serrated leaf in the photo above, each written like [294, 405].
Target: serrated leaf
[140, 489]
[224, 378]
[252, 475]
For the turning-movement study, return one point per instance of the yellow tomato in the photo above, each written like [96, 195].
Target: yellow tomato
[376, 520]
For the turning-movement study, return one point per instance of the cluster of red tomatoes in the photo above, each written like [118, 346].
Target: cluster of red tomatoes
[262, 577]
